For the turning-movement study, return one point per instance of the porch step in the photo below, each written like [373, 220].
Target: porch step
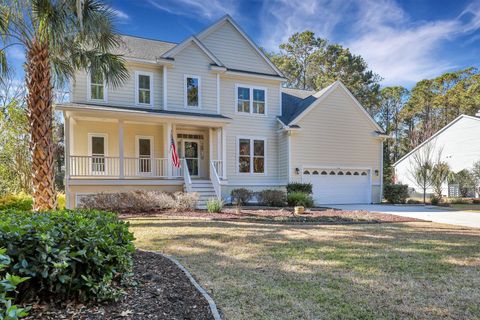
[205, 190]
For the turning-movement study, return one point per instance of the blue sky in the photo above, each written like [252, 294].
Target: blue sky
[403, 40]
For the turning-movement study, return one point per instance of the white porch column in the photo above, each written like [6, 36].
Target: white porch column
[66, 129]
[121, 147]
[224, 153]
[168, 138]
[210, 145]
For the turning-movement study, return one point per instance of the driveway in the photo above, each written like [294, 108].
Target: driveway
[460, 218]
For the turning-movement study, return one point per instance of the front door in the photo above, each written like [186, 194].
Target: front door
[191, 154]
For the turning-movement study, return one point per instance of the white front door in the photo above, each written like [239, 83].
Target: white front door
[339, 186]
[191, 153]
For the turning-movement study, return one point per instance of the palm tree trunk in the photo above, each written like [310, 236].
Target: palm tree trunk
[39, 102]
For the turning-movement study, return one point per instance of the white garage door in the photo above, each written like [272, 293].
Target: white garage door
[339, 186]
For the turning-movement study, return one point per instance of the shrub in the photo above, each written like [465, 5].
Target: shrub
[299, 199]
[61, 202]
[8, 283]
[413, 201]
[140, 200]
[241, 196]
[458, 201]
[273, 198]
[435, 201]
[214, 205]
[299, 187]
[79, 254]
[395, 193]
[20, 201]
[476, 201]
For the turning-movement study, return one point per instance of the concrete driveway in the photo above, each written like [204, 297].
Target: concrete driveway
[460, 218]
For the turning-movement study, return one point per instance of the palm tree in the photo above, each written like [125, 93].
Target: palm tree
[59, 37]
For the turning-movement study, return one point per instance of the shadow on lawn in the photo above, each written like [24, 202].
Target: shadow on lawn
[305, 271]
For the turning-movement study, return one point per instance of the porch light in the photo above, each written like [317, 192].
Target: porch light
[297, 171]
[376, 173]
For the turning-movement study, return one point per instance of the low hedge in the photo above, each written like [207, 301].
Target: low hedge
[272, 198]
[69, 254]
[300, 187]
[299, 199]
[395, 193]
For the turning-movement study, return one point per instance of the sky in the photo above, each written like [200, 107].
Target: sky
[404, 41]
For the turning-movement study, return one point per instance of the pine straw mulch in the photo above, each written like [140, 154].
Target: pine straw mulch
[280, 215]
[160, 291]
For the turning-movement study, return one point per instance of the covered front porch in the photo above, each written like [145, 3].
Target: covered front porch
[134, 145]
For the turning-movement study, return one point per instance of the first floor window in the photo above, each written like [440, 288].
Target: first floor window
[144, 82]
[144, 155]
[192, 91]
[251, 155]
[98, 153]
[97, 86]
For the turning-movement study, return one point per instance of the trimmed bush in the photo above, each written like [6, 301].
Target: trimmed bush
[395, 193]
[272, 198]
[85, 255]
[299, 187]
[241, 196]
[458, 200]
[20, 201]
[299, 199]
[8, 284]
[413, 201]
[140, 200]
[214, 205]
[435, 201]
[476, 201]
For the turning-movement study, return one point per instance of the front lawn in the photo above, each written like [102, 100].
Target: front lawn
[466, 207]
[275, 271]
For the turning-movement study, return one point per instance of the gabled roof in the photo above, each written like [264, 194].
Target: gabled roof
[463, 116]
[297, 103]
[142, 48]
[175, 50]
[227, 18]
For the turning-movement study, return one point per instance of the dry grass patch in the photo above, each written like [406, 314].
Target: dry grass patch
[385, 271]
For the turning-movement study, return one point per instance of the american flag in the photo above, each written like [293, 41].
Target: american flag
[175, 158]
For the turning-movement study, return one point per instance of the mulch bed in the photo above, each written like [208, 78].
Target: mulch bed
[283, 215]
[160, 291]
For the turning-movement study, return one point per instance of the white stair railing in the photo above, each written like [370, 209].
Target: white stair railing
[215, 179]
[218, 167]
[186, 176]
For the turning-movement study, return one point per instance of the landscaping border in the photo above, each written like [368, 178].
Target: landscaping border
[211, 303]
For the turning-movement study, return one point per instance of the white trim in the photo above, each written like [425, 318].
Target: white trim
[157, 62]
[121, 149]
[224, 152]
[184, 44]
[251, 88]
[381, 172]
[321, 95]
[226, 18]
[127, 182]
[435, 135]
[258, 184]
[137, 153]
[289, 149]
[89, 90]
[218, 93]
[66, 129]
[150, 75]
[280, 99]
[253, 75]
[101, 135]
[165, 87]
[237, 153]
[185, 102]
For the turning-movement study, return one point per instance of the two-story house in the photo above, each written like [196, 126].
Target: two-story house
[221, 102]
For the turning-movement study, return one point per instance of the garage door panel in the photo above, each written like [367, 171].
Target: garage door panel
[339, 186]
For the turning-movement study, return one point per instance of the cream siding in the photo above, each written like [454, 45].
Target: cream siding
[336, 133]
[254, 126]
[192, 61]
[234, 51]
[124, 95]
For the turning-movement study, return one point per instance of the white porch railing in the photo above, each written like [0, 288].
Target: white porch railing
[86, 166]
[186, 176]
[217, 164]
[215, 178]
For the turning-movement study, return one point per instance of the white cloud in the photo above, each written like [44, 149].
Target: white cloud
[399, 49]
[207, 9]
[120, 15]
[16, 52]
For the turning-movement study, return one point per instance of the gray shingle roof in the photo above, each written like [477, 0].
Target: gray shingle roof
[141, 48]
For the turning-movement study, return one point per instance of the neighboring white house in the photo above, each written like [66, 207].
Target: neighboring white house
[458, 144]
[222, 102]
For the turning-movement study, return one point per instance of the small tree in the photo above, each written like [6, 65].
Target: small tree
[440, 174]
[465, 180]
[422, 167]
[476, 175]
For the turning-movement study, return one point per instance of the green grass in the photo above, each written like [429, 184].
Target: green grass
[273, 271]
[466, 207]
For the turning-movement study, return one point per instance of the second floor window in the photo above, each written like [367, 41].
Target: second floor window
[97, 86]
[144, 88]
[251, 100]
[192, 91]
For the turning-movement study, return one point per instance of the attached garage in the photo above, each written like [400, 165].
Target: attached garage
[339, 186]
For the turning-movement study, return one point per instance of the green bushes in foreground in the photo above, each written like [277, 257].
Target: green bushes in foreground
[24, 202]
[85, 255]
